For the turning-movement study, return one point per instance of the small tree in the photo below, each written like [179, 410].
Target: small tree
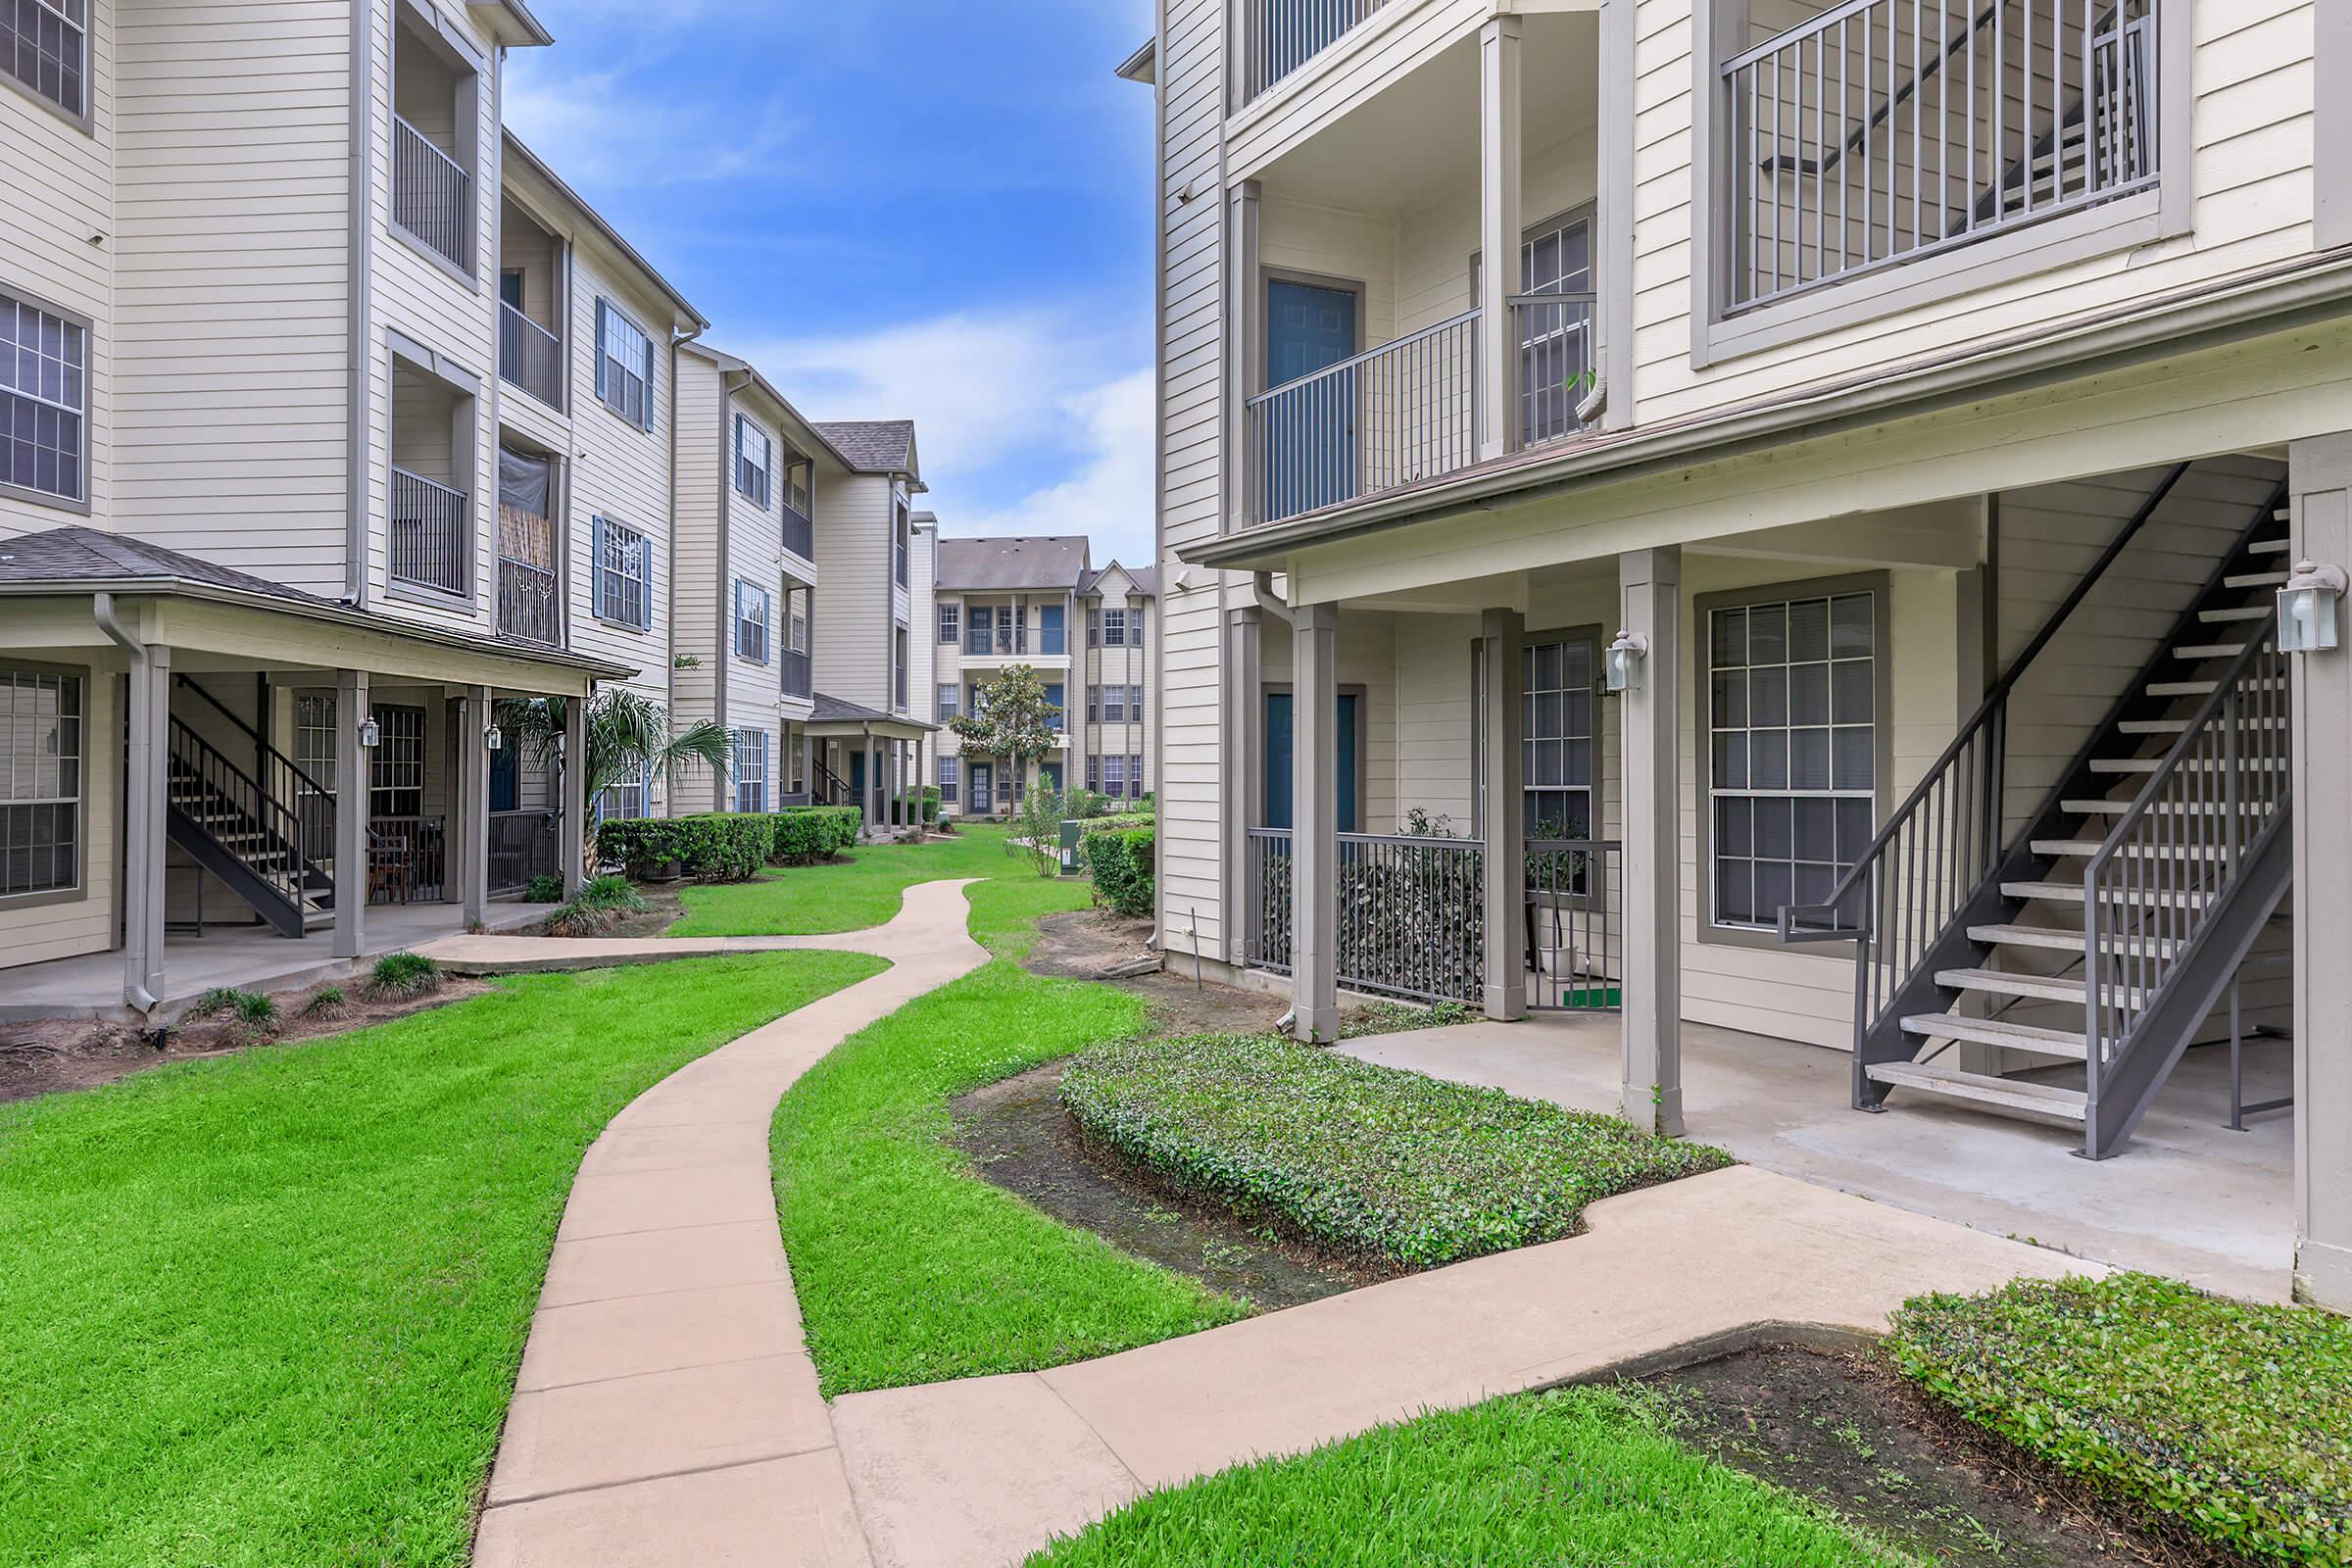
[1035, 835]
[628, 738]
[1011, 718]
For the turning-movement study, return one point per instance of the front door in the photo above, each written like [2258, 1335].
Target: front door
[1309, 441]
[983, 789]
[857, 775]
[1049, 775]
[1281, 761]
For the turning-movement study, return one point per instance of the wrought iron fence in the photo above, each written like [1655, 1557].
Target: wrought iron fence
[1412, 916]
[432, 194]
[523, 845]
[1575, 924]
[530, 356]
[408, 860]
[1266, 900]
[429, 535]
[1285, 34]
[1395, 414]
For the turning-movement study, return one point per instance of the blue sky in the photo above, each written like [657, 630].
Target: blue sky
[897, 209]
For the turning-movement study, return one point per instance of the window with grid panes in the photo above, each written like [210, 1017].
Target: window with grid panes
[1555, 713]
[751, 770]
[45, 45]
[40, 781]
[43, 395]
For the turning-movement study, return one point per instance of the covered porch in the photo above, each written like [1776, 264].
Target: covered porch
[861, 756]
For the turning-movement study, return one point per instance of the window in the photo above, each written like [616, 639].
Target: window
[1135, 704]
[45, 45]
[947, 702]
[1792, 770]
[897, 667]
[1093, 700]
[800, 488]
[974, 701]
[799, 621]
[1114, 628]
[1114, 705]
[1094, 626]
[751, 622]
[1094, 774]
[396, 769]
[624, 365]
[899, 543]
[1114, 775]
[1556, 716]
[624, 798]
[624, 575]
[40, 782]
[755, 461]
[950, 624]
[949, 769]
[1135, 773]
[1135, 623]
[1055, 715]
[42, 393]
[751, 770]
[1049, 629]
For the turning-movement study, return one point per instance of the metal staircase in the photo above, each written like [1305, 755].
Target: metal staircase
[2119, 914]
[244, 833]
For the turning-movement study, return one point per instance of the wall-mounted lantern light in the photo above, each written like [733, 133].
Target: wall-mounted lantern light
[2307, 608]
[1622, 671]
[494, 739]
[370, 733]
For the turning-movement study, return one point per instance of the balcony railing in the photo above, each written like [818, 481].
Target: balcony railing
[1403, 412]
[1285, 34]
[528, 604]
[1885, 130]
[530, 356]
[523, 845]
[999, 642]
[432, 195]
[429, 533]
[797, 676]
[799, 533]
[1554, 374]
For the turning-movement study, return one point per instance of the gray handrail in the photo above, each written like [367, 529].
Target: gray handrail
[1358, 361]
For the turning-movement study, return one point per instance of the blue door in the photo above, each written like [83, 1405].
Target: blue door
[1310, 434]
[1051, 636]
[1281, 761]
[858, 773]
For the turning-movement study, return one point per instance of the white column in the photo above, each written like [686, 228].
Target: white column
[1244, 776]
[1315, 820]
[1503, 633]
[2320, 478]
[574, 847]
[1651, 592]
[146, 801]
[352, 763]
[474, 805]
[1500, 232]
[1244, 348]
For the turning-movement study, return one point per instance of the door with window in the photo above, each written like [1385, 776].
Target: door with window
[1555, 339]
[984, 780]
[1281, 762]
[1309, 435]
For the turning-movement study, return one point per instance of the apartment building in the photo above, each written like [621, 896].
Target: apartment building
[1773, 517]
[1038, 601]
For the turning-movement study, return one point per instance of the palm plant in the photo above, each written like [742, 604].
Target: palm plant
[628, 738]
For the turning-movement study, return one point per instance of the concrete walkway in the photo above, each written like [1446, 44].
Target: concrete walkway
[666, 1410]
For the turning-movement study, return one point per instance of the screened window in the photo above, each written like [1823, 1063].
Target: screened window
[755, 461]
[40, 788]
[947, 702]
[751, 770]
[45, 45]
[43, 394]
[1114, 628]
[624, 800]
[1793, 771]
[949, 769]
[624, 365]
[623, 575]
[1555, 714]
[752, 608]
[950, 624]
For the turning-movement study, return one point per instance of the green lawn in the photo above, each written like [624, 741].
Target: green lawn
[846, 895]
[1578, 1477]
[268, 1309]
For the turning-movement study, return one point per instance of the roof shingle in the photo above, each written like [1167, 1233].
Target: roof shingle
[1046, 561]
[872, 446]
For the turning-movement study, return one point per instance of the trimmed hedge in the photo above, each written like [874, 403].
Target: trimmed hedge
[2234, 1418]
[1372, 1160]
[726, 846]
[1121, 863]
[807, 834]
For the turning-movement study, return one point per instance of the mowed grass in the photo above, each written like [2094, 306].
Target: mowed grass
[847, 894]
[1579, 1476]
[911, 1267]
[268, 1309]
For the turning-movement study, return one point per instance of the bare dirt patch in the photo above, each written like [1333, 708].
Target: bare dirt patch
[56, 1055]
[1091, 944]
[1848, 1431]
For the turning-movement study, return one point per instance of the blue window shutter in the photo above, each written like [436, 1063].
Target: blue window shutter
[647, 421]
[601, 310]
[645, 601]
[596, 565]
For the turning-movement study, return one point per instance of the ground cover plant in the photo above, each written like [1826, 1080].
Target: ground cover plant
[1393, 1165]
[1579, 1476]
[403, 974]
[598, 907]
[2234, 1418]
[267, 1308]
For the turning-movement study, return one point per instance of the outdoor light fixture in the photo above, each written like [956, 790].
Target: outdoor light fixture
[2307, 608]
[1624, 665]
[494, 739]
[369, 732]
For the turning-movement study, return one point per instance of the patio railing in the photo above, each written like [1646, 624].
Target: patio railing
[432, 194]
[1284, 34]
[1410, 912]
[528, 606]
[1554, 335]
[530, 356]
[1574, 923]
[1393, 415]
[408, 860]
[523, 845]
[428, 539]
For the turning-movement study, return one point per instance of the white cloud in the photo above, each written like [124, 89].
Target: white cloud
[598, 131]
[1108, 495]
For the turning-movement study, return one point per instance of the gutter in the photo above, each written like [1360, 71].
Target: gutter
[2306, 291]
[101, 609]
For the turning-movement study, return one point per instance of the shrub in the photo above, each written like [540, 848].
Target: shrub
[1121, 866]
[399, 975]
[327, 1002]
[2233, 1418]
[1372, 1160]
[807, 834]
[216, 1002]
[1035, 835]
[710, 846]
[930, 804]
[543, 890]
[600, 906]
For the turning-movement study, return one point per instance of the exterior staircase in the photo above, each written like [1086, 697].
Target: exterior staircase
[245, 834]
[2116, 919]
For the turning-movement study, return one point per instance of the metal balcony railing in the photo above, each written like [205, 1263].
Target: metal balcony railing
[530, 356]
[799, 533]
[528, 604]
[796, 678]
[1404, 412]
[429, 533]
[1284, 34]
[432, 195]
[997, 642]
[1554, 335]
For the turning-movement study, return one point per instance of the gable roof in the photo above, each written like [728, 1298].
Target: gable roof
[1046, 561]
[1144, 578]
[872, 446]
[513, 148]
[794, 420]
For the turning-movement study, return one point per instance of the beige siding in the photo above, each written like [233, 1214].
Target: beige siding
[855, 598]
[695, 562]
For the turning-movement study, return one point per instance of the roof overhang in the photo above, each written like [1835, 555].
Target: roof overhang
[510, 23]
[1142, 66]
[689, 320]
[894, 726]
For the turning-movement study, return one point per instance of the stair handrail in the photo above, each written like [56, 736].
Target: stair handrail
[2175, 864]
[293, 769]
[213, 768]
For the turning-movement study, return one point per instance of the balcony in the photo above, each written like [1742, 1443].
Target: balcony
[800, 530]
[797, 676]
[1282, 35]
[530, 357]
[1007, 641]
[430, 530]
[432, 195]
[1882, 132]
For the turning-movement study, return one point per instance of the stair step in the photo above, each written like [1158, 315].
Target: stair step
[1995, 982]
[2085, 848]
[2206, 687]
[2270, 547]
[2215, 617]
[2071, 893]
[2000, 1032]
[2194, 764]
[1999, 1094]
[2062, 939]
[2155, 807]
[2154, 727]
[2209, 651]
[2256, 579]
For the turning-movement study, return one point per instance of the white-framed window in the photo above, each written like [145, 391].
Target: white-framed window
[1094, 704]
[1135, 774]
[1135, 704]
[624, 798]
[975, 700]
[1094, 774]
[624, 365]
[751, 770]
[755, 461]
[950, 624]
[752, 609]
[624, 575]
[799, 487]
[1114, 705]
[898, 669]
[1114, 628]
[797, 621]
[45, 44]
[44, 393]
[947, 702]
[1114, 775]
[40, 782]
[948, 770]
[1792, 763]
[1556, 750]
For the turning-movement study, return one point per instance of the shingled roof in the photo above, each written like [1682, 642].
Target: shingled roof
[1144, 578]
[872, 446]
[76, 555]
[1043, 561]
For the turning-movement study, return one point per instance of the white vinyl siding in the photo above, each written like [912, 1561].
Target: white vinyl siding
[624, 365]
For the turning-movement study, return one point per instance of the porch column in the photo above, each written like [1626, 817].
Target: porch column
[1498, 232]
[146, 802]
[1244, 778]
[2320, 474]
[1245, 348]
[1651, 583]
[352, 786]
[474, 805]
[808, 767]
[1503, 767]
[873, 801]
[1315, 820]
[574, 847]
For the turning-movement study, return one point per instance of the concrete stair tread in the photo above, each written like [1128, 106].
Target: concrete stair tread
[2084, 849]
[2059, 1043]
[2000, 982]
[2071, 893]
[1999, 1094]
[2058, 939]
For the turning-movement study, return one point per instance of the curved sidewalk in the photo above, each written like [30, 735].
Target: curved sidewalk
[667, 1411]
